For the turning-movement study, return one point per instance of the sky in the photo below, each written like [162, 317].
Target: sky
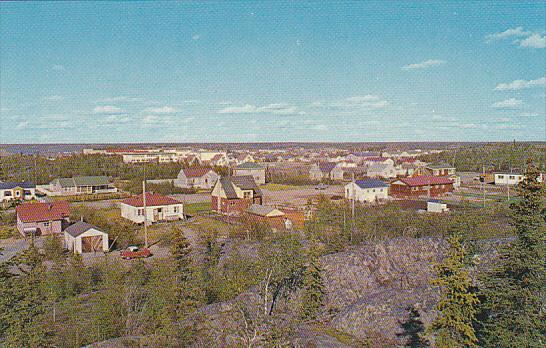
[266, 71]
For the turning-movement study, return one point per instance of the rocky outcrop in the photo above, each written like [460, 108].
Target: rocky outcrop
[370, 288]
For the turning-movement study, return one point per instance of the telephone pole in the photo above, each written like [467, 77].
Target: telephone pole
[145, 214]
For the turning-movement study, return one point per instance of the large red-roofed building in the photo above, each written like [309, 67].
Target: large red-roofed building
[426, 185]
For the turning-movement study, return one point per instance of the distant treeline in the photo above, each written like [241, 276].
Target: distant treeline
[495, 157]
[42, 170]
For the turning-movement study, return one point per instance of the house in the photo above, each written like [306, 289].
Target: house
[369, 190]
[436, 206]
[253, 169]
[513, 178]
[22, 191]
[375, 160]
[234, 195]
[196, 177]
[81, 185]
[82, 237]
[425, 185]
[219, 160]
[242, 158]
[439, 169]
[38, 219]
[326, 170]
[158, 208]
[381, 170]
[270, 215]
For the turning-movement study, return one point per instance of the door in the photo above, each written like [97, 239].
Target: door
[91, 244]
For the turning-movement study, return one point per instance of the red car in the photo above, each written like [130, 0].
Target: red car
[133, 252]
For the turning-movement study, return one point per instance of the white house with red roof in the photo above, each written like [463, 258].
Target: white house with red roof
[158, 208]
[196, 177]
[375, 160]
[37, 219]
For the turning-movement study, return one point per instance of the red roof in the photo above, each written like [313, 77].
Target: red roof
[196, 172]
[426, 180]
[152, 200]
[35, 212]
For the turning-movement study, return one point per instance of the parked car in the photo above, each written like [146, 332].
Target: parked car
[321, 186]
[134, 252]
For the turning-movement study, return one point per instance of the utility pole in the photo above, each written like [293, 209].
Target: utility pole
[483, 184]
[145, 213]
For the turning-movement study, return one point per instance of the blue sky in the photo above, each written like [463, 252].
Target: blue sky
[272, 71]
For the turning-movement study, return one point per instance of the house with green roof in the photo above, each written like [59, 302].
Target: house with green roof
[255, 170]
[79, 185]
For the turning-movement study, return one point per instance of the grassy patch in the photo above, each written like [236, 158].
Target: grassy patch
[279, 187]
[196, 208]
[8, 232]
[208, 224]
[342, 337]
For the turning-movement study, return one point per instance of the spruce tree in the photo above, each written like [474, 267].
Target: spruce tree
[313, 286]
[513, 293]
[457, 305]
[414, 330]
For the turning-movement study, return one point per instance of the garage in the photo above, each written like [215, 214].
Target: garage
[82, 237]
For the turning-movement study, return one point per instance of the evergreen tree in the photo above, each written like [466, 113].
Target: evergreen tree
[457, 306]
[414, 330]
[313, 286]
[23, 306]
[513, 311]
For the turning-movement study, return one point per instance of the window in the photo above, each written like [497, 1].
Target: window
[511, 177]
[176, 209]
[7, 193]
[47, 223]
[246, 194]
[501, 176]
[373, 190]
[17, 193]
[140, 212]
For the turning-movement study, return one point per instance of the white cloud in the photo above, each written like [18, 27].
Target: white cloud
[522, 37]
[118, 99]
[468, 126]
[150, 119]
[529, 114]
[512, 32]
[521, 84]
[195, 37]
[511, 103]
[275, 109]
[58, 67]
[245, 109]
[53, 98]
[320, 127]
[534, 41]
[162, 110]
[367, 101]
[22, 125]
[115, 119]
[423, 65]
[107, 109]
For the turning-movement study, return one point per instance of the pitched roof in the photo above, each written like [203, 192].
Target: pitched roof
[243, 182]
[370, 183]
[152, 200]
[196, 172]
[264, 210]
[79, 228]
[326, 167]
[35, 212]
[249, 165]
[10, 185]
[426, 180]
[84, 181]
